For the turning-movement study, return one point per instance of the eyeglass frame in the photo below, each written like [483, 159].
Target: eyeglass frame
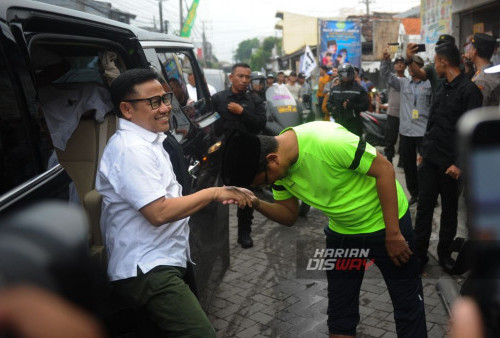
[170, 95]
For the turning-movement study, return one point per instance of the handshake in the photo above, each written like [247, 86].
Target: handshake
[236, 195]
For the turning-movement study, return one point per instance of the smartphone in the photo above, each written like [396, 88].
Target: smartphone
[421, 47]
[479, 135]
[393, 47]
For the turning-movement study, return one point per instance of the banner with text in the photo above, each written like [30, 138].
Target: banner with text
[307, 62]
[340, 42]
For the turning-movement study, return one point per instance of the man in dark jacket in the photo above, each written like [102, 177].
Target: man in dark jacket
[439, 172]
[347, 99]
[240, 109]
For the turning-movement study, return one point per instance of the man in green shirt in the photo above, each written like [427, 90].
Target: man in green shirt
[338, 173]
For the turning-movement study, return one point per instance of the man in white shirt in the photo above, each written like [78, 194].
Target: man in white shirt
[191, 87]
[293, 86]
[144, 215]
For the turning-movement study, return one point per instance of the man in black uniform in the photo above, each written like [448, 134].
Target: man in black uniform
[243, 110]
[347, 99]
[439, 173]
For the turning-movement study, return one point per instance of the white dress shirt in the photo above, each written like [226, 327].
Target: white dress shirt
[134, 171]
[193, 94]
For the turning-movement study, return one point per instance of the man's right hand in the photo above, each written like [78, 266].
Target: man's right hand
[234, 195]
[397, 249]
[411, 50]
[385, 54]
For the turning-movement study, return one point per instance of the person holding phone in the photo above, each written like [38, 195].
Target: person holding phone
[414, 113]
[427, 72]
[392, 126]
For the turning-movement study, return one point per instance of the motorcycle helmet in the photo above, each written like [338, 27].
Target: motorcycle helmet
[257, 82]
[346, 72]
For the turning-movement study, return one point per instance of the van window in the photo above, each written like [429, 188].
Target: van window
[185, 84]
[82, 69]
[180, 125]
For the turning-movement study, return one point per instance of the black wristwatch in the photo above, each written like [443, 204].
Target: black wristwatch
[408, 62]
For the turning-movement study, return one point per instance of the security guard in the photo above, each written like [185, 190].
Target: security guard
[482, 49]
[242, 110]
[347, 99]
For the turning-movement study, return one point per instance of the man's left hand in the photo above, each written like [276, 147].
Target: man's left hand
[235, 108]
[453, 171]
[397, 249]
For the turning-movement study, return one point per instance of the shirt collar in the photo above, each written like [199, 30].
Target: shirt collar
[455, 81]
[145, 134]
[231, 93]
[483, 67]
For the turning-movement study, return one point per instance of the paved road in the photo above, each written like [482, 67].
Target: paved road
[261, 296]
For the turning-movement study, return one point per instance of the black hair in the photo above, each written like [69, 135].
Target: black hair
[124, 85]
[486, 48]
[325, 68]
[239, 64]
[268, 144]
[281, 73]
[331, 42]
[449, 52]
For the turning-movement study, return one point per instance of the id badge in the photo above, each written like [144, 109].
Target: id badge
[414, 114]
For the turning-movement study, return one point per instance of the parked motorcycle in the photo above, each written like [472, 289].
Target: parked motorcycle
[374, 128]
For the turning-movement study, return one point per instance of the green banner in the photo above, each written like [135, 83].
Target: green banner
[188, 23]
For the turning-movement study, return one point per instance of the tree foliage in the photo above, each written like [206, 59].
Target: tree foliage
[262, 52]
[244, 50]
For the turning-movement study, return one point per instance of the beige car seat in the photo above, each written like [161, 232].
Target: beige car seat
[80, 159]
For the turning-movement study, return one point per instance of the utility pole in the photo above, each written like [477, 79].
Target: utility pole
[367, 4]
[205, 49]
[180, 17]
[161, 15]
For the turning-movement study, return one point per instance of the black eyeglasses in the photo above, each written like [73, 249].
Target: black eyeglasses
[156, 101]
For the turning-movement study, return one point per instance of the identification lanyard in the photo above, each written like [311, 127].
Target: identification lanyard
[414, 89]
[415, 92]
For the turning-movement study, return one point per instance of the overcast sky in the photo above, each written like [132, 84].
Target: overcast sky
[227, 22]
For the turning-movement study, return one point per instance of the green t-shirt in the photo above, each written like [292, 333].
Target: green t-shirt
[322, 178]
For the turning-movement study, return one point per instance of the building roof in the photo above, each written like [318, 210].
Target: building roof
[413, 12]
[412, 25]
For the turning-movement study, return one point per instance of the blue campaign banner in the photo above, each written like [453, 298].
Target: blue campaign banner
[340, 42]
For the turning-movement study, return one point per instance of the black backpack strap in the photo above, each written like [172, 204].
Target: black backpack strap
[359, 152]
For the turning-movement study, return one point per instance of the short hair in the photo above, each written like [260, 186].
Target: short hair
[268, 144]
[280, 73]
[449, 52]
[331, 42]
[484, 44]
[325, 68]
[124, 85]
[239, 64]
